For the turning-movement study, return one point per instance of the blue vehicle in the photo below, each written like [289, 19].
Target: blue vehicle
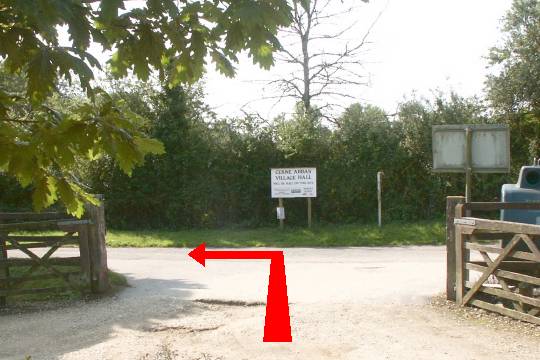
[527, 189]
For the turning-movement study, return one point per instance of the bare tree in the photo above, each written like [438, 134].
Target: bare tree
[324, 62]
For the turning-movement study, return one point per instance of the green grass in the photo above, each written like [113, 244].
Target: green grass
[116, 280]
[396, 234]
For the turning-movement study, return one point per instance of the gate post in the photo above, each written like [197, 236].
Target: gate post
[451, 202]
[84, 251]
[4, 270]
[98, 251]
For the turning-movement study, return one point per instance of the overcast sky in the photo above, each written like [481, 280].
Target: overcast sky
[417, 45]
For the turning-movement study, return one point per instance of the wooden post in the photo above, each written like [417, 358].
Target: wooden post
[460, 266]
[309, 212]
[280, 220]
[379, 197]
[98, 251]
[468, 164]
[461, 257]
[84, 251]
[4, 270]
[451, 202]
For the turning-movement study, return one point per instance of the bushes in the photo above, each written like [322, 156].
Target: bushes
[216, 172]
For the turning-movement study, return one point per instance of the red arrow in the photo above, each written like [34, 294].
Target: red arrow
[200, 254]
[277, 325]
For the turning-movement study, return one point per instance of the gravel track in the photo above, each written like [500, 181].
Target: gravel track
[345, 304]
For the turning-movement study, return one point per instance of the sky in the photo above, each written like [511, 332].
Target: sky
[415, 46]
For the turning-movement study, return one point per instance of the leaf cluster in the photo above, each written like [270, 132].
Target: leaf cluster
[44, 147]
[40, 144]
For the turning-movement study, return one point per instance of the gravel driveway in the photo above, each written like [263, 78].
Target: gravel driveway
[348, 303]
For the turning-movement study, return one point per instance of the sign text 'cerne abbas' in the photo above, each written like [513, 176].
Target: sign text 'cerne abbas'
[294, 182]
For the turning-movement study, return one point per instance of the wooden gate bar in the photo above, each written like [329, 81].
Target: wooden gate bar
[507, 294]
[39, 245]
[30, 242]
[72, 260]
[49, 239]
[491, 249]
[507, 312]
[4, 268]
[502, 226]
[33, 225]
[493, 206]
[506, 274]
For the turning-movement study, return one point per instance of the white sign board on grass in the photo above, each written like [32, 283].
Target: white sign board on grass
[294, 182]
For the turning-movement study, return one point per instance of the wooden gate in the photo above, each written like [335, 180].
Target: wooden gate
[508, 280]
[26, 257]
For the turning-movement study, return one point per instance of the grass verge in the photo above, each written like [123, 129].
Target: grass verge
[394, 234]
[117, 281]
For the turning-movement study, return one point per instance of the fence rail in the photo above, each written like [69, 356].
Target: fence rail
[86, 272]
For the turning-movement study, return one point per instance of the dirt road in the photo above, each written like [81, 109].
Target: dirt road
[360, 303]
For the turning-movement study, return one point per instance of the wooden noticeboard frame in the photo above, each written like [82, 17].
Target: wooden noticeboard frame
[471, 148]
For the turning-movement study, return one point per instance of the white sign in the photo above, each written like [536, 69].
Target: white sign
[490, 148]
[294, 182]
[280, 213]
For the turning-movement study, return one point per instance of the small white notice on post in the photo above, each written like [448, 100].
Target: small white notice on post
[294, 182]
[280, 213]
